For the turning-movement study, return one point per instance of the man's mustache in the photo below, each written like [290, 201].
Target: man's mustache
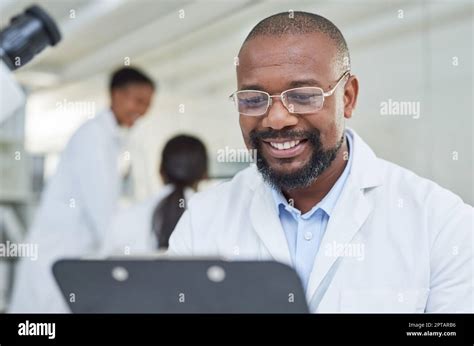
[257, 136]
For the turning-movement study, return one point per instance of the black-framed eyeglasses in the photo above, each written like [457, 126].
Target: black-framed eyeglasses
[303, 100]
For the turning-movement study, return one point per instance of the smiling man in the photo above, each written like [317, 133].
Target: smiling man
[364, 235]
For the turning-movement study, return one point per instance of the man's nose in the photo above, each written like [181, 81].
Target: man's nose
[278, 116]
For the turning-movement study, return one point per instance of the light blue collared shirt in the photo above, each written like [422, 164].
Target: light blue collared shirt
[305, 232]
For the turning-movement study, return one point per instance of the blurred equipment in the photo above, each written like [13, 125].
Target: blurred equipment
[26, 35]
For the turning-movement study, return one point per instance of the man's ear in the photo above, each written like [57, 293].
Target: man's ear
[351, 91]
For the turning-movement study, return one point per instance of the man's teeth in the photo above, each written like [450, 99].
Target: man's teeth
[284, 145]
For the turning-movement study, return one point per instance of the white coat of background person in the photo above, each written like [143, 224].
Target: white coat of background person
[79, 200]
[145, 227]
[384, 239]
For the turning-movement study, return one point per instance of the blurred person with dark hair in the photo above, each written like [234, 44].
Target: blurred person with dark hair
[78, 203]
[147, 226]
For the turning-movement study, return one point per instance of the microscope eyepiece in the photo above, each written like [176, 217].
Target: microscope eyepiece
[27, 35]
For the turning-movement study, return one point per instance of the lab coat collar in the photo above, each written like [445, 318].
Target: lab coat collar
[109, 121]
[365, 167]
[350, 212]
[265, 220]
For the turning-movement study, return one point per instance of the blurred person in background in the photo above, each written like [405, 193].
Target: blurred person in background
[147, 226]
[80, 199]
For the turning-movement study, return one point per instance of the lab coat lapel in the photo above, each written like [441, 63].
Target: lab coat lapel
[266, 223]
[349, 214]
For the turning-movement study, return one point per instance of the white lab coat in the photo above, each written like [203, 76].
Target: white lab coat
[131, 232]
[416, 238]
[75, 210]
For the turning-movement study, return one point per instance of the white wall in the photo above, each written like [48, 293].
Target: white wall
[403, 59]
[418, 66]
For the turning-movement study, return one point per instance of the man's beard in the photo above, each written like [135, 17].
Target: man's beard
[320, 159]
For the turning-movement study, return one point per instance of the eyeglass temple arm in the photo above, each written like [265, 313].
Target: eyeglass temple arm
[330, 92]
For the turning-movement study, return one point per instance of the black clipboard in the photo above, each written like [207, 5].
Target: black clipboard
[179, 286]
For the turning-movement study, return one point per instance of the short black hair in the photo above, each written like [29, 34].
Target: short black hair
[299, 22]
[129, 75]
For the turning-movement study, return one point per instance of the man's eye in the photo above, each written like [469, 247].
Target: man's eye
[301, 97]
[253, 101]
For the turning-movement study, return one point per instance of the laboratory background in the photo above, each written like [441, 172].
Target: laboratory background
[414, 61]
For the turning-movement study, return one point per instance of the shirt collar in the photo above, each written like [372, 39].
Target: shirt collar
[328, 203]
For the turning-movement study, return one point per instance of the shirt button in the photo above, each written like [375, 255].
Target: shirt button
[308, 236]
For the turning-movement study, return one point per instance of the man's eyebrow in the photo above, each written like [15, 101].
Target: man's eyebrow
[252, 87]
[294, 84]
[305, 82]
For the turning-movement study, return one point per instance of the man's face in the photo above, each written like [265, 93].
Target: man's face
[131, 102]
[275, 64]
